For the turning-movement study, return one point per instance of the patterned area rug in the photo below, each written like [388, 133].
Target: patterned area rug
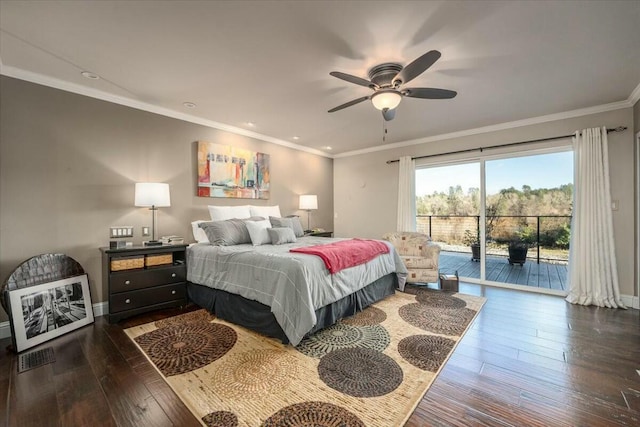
[371, 369]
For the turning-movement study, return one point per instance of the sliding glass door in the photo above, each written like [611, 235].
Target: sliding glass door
[502, 220]
[448, 210]
[528, 219]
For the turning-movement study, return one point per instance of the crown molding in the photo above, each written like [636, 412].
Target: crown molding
[494, 128]
[129, 102]
[635, 95]
[139, 105]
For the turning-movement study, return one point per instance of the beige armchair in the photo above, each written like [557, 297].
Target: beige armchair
[419, 255]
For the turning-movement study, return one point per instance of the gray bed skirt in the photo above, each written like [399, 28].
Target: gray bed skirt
[258, 317]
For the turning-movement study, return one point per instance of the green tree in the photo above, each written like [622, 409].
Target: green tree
[454, 200]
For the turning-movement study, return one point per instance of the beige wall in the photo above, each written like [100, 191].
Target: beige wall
[365, 189]
[68, 165]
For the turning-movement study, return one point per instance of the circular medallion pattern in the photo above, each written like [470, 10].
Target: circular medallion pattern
[439, 299]
[254, 374]
[427, 352]
[410, 288]
[368, 316]
[313, 414]
[193, 316]
[182, 348]
[339, 336]
[220, 419]
[444, 321]
[360, 372]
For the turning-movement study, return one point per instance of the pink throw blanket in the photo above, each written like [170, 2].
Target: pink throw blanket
[346, 253]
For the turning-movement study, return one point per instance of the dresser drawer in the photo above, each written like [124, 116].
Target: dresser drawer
[146, 297]
[130, 280]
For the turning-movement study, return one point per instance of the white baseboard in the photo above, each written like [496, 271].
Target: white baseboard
[102, 308]
[99, 309]
[5, 330]
[630, 301]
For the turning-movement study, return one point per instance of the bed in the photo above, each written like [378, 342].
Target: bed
[282, 294]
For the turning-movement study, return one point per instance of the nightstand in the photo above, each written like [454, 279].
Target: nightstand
[320, 234]
[144, 278]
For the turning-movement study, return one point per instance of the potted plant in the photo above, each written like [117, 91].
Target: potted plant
[519, 246]
[518, 252]
[472, 241]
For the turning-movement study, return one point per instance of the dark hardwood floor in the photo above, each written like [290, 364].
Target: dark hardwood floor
[528, 360]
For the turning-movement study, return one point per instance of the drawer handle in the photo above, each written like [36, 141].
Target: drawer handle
[127, 282]
[173, 274]
[173, 292]
[127, 301]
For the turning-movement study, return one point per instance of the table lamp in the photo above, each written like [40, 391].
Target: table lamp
[308, 202]
[153, 195]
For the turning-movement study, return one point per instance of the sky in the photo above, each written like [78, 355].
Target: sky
[539, 171]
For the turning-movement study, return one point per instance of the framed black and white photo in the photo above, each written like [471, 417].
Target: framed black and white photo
[42, 312]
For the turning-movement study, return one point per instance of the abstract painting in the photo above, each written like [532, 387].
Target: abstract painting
[232, 172]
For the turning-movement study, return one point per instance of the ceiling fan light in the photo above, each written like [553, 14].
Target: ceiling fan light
[386, 99]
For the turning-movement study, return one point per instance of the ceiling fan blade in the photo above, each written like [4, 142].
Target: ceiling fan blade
[417, 67]
[353, 79]
[429, 93]
[388, 114]
[349, 104]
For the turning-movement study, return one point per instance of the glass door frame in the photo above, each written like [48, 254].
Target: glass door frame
[482, 158]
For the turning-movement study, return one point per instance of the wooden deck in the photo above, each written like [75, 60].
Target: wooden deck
[544, 275]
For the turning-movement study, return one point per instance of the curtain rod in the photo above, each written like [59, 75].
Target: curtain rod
[618, 129]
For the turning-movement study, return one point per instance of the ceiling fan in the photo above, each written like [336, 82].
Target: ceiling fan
[385, 81]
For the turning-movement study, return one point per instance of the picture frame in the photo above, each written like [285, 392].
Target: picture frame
[42, 312]
[232, 172]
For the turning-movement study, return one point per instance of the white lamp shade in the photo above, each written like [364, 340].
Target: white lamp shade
[386, 99]
[152, 194]
[308, 202]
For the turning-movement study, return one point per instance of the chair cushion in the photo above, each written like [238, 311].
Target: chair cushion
[422, 275]
[419, 262]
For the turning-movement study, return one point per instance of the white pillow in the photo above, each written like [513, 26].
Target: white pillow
[265, 211]
[221, 213]
[198, 233]
[258, 232]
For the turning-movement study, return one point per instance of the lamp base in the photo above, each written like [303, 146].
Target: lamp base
[153, 243]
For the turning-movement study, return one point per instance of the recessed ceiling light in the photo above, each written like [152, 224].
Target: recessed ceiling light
[296, 138]
[90, 75]
[251, 124]
[328, 148]
[189, 104]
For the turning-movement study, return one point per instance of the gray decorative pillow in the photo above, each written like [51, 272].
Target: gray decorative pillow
[281, 235]
[276, 221]
[297, 226]
[228, 232]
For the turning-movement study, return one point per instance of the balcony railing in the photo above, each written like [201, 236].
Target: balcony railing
[548, 234]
